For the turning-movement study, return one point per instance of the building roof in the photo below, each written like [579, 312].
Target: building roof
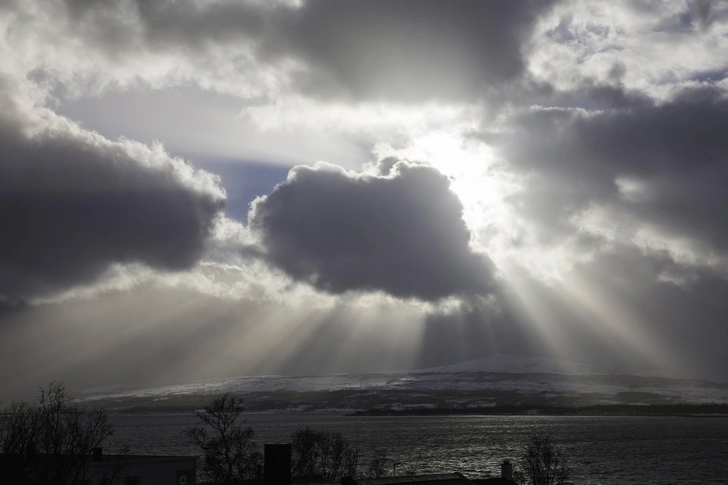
[122, 458]
[438, 479]
[144, 458]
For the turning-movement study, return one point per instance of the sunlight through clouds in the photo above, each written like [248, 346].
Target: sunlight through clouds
[475, 175]
[301, 186]
[486, 185]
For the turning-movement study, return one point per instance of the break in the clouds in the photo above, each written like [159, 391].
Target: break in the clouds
[401, 233]
[72, 203]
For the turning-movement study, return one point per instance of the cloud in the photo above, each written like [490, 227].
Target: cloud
[72, 203]
[597, 189]
[647, 174]
[656, 46]
[402, 51]
[343, 231]
[358, 50]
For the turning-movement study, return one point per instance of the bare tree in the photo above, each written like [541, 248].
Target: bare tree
[410, 469]
[51, 440]
[229, 453]
[17, 448]
[542, 463]
[322, 455]
[379, 463]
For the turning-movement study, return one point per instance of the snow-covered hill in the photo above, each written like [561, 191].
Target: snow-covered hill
[511, 364]
[485, 381]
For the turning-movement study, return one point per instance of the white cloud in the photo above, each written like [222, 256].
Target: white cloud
[647, 47]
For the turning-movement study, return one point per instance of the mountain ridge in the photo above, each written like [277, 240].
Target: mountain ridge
[496, 380]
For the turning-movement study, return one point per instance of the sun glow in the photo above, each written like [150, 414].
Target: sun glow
[476, 177]
[486, 186]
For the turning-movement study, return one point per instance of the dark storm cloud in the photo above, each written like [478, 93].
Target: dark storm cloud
[72, 203]
[409, 51]
[675, 153]
[402, 234]
[362, 50]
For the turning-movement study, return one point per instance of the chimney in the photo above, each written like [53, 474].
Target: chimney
[507, 470]
[97, 454]
[277, 464]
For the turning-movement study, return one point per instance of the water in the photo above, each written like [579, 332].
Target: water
[603, 450]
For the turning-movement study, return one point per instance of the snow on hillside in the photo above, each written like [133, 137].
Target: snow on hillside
[511, 364]
[529, 375]
[243, 385]
[435, 378]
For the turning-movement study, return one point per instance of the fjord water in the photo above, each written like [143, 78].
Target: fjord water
[603, 450]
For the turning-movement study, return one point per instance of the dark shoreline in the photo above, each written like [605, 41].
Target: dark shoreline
[676, 410]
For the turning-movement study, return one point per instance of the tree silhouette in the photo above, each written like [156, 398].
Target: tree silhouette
[229, 453]
[322, 456]
[379, 464]
[542, 463]
[51, 440]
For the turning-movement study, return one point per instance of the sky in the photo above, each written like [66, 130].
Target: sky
[193, 189]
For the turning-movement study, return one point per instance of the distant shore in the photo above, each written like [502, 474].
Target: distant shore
[680, 410]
